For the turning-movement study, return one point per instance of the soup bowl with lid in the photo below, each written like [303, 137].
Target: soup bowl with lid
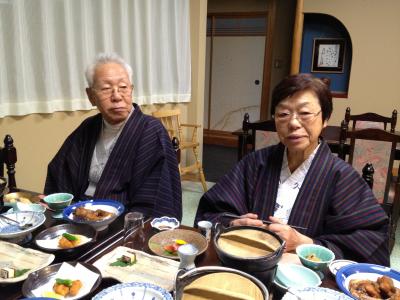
[253, 250]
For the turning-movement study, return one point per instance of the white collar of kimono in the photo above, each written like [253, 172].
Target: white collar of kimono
[289, 185]
[300, 173]
[104, 145]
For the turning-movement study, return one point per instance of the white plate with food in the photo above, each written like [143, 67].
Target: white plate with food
[129, 265]
[96, 213]
[16, 262]
[66, 238]
[353, 280]
[134, 290]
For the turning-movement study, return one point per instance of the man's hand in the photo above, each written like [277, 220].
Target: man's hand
[292, 237]
[247, 219]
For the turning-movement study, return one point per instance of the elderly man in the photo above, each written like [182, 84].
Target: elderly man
[120, 153]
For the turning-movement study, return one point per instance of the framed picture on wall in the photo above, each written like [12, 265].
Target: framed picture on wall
[328, 55]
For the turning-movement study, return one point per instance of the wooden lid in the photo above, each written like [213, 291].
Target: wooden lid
[222, 285]
[248, 243]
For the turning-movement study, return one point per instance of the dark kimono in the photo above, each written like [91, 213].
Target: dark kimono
[141, 172]
[334, 203]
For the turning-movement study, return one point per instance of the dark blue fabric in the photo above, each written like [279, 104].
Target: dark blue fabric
[334, 203]
[141, 172]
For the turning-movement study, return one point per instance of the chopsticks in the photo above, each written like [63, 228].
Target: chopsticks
[230, 215]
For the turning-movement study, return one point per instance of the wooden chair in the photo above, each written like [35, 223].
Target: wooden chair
[391, 201]
[247, 135]
[171, 121]
[370, 118]
[8, 158]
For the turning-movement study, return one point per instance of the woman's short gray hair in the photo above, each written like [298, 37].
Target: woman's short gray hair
[106, 58]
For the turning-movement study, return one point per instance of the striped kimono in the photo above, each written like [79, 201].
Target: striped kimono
[141, 172]
[334, 203]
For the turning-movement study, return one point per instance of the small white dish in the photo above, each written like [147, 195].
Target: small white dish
[165, 223]
[335, 265]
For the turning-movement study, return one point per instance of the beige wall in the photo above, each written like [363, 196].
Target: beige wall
[38, 136]
[374, 28]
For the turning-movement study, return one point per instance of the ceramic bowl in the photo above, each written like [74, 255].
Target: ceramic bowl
[11, 199]
[323, 254]
[36, 207]
[336, 265]
[58, 202]
[134, 290]
[158, 241]
[165, 223]
[112, 206]
[295, 276]
[13, 232]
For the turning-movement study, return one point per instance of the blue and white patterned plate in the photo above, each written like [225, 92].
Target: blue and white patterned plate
[315, 293]
[134, 291]
[364, 271]
[165, 223]
[115, 207]
[11, 231]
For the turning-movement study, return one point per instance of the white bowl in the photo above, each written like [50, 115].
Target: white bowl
[165, 223]
[36, 207]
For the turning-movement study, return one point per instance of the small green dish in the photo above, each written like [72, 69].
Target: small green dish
[58, 202]
[323, 255]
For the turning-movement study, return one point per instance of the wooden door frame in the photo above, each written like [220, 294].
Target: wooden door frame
[219, 137]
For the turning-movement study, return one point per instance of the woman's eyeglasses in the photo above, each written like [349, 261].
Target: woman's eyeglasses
[302, 117]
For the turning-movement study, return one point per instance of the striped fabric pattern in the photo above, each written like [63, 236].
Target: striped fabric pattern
[334, 203]
[141, 172]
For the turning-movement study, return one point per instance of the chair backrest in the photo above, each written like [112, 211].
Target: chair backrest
[175, 145]
[8, 158]
[372, 117]
[381, 136]
[335, 136]
[171, 121]
[247, 136]
[369, 120]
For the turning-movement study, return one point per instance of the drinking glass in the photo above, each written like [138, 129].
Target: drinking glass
[133, 230]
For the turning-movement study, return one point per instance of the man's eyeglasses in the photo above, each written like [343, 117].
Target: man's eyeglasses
[302, 117]
[107, 92]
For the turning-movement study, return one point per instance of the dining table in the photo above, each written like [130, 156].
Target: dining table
[109, 239]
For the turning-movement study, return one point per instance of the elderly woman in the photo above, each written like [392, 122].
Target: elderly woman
[300, 182]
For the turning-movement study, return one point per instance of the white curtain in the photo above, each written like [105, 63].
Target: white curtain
[45, 46]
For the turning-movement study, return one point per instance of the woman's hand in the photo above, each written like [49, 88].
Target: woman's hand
[247, 219]
[292, 237]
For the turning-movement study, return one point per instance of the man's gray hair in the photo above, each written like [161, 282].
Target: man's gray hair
[106, 58]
